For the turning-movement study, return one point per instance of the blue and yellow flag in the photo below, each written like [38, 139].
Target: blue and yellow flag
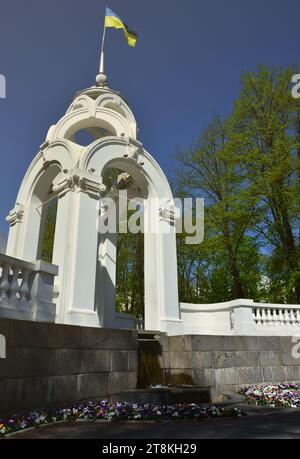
[113, 20]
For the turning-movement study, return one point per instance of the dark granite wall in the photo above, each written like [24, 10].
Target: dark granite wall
[226, 363]
[49, 364]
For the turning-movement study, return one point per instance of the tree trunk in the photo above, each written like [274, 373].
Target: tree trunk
[233, 266]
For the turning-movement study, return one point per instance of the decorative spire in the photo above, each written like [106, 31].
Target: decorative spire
[101, 78]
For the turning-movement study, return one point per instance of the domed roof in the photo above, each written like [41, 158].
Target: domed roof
[99, 89]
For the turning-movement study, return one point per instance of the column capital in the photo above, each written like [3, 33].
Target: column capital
[15, 215]
[88, 185]
[77, 180]
[63, 184]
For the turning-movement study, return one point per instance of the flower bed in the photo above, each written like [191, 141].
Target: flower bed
[281, 395]
[93, 411]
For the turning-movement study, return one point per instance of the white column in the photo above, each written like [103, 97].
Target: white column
[152, 300]
[170, 320]
[106, 280]
[80, 273]
[61, 249]
[162, 310]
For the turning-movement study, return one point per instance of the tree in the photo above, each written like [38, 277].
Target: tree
[209, 170]
[265, 135]
[130, 274]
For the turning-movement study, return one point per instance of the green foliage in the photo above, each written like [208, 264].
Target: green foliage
[130, 258]
[50, 212]
[130, 274]
[248, 168]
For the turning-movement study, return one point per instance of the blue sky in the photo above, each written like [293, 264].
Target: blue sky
[185, 69]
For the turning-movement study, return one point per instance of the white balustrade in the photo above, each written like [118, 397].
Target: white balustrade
[276, 315]
[26, 289]
[241, 317]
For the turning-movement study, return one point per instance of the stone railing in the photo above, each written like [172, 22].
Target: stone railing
[241, 317]
[26, 289]
[274, 315]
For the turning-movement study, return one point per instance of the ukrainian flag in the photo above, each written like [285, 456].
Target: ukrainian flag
[113, 20]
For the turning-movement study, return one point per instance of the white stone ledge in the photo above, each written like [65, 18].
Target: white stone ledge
[26, 289]
[242, 317]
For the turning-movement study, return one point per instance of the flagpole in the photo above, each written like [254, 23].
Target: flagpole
[101, 78]
[101, 68]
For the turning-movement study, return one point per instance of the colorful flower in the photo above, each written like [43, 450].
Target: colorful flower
[113, 412]
[280, 395]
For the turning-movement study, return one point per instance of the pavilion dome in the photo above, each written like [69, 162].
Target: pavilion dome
[95, 112]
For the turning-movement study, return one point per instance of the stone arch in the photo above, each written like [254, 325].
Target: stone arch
[108, 111]
[161, 293]
[75, 175]
[26, 218]
[91, 100]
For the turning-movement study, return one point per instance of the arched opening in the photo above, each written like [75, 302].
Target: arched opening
[85, 137]
[41, 210]
[129, 284]
[89, 130]
[130, 288]
[47, 231]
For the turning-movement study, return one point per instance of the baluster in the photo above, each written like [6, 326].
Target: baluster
[4, 283]
[257, 316]
[260, 316]
[24, 289]
[254, 315]
[298, 316]
[275, 317]
[14, 285]
[269, 317]
[286, 317]
[291, 312]
[293, 317]
[266, 316]
[280, 317]
[263, 317]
